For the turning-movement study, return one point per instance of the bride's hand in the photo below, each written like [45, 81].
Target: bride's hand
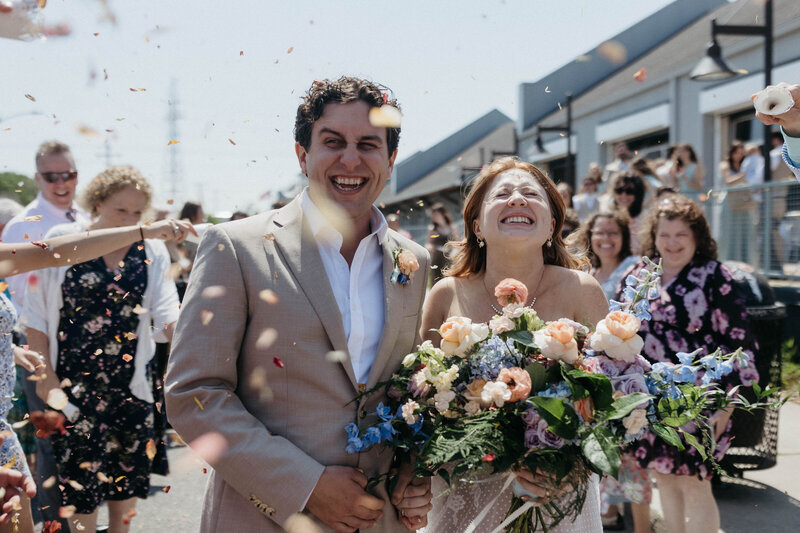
[540, 485]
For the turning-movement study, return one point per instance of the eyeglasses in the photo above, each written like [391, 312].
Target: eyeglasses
[606, 235]
[63, 177]
[626, 190]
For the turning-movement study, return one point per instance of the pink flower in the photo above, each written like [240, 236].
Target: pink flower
[518, 382]
[511, 291]
[459, 334]
[557, 341]
[501, 324]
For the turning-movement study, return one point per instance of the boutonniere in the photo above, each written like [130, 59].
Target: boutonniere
[405, 264]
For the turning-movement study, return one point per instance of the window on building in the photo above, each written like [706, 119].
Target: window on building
[744, 127]
[650, 146]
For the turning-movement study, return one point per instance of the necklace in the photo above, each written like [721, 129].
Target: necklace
[499, 311]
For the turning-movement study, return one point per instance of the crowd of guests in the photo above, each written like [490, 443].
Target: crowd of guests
[91, 326]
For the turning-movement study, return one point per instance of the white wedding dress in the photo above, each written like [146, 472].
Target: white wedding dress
[454, 511]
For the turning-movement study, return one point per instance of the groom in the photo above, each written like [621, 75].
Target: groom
[287, 317]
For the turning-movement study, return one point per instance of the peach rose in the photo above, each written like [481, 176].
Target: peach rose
[585, 408]
[511, 291]
[473, 391]
[635, 421]
[557, 341]
[518, 382]
[459, 334]
[407, 262]
[616, 335]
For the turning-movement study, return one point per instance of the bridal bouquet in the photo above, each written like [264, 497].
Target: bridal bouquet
[554, 397]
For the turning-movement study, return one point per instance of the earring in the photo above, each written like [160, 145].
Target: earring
[549, 242]
[481, 244]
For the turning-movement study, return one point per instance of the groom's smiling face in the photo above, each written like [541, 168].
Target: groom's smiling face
[347, 160]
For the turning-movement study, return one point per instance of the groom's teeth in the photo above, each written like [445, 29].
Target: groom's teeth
[349, 181]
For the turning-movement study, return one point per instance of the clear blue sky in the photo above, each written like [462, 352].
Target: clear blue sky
[449, 62]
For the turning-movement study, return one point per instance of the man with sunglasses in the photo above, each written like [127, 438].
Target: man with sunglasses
[57, 179]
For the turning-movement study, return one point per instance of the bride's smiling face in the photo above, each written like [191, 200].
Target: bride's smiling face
[515, 207]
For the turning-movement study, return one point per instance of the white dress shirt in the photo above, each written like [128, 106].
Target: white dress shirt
[18, 228]
[358, 288]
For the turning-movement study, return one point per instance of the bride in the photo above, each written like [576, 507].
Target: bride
[512, 225]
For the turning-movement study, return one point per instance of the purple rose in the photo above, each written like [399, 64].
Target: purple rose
[630, 384]
[532, 438]
[548, 438]
[531, 417]
[602, 365]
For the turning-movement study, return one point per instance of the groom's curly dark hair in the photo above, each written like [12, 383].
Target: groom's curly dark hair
[344, 90]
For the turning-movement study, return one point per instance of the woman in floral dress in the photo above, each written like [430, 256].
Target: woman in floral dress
[698, 307]
[94, 320]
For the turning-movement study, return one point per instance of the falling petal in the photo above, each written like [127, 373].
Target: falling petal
[266, 339]
[127, 358]
[150, 449]
[199, 404]
[66, 511]
[336, 356]
[277, 361]
[213, 291]
[103, 478]
[613, 52]
[34, 218]
[231, 141]
[547, 89]
[30, 97]
[206, 316]
[385, 116]
[640, 75]
[290, 50]
[268, 296]
[165, 490]
[49, 482]
[172, 142]
[57, 399]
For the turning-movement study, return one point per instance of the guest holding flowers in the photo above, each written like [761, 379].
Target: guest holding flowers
[94, 323]
[698, 308]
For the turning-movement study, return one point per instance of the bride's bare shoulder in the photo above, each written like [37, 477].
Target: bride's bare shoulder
[587, 296]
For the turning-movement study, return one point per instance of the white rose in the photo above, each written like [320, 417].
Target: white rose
[459, 334]
[444, 380]
[635, 421]
[495, 392]
[513, 310]
[472, 408]
[442, 400]
[408, 412]
[501, 324]
[409, 360]
[616, 335]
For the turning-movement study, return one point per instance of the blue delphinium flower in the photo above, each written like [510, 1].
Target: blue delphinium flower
[557, 390]
[685, 373]
[632, 280]
[614, 305]
[354, 444]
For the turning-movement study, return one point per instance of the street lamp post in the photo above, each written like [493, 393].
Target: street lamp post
[567, 130]
[713, 67]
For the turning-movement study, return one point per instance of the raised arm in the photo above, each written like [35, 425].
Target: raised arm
[79, 247]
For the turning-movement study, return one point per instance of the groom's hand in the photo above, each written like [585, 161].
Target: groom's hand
[339, 500]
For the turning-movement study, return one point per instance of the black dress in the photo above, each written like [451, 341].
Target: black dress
[104, 453]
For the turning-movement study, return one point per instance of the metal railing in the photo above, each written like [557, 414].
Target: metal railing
[758, 225]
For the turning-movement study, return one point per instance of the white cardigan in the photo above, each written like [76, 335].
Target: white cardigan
[43, 307]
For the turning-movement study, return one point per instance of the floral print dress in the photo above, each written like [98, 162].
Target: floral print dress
[700, 308]
[11, 453]
[103, 455]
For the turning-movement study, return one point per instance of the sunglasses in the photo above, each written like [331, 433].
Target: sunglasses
[63, 177]
[626, 190]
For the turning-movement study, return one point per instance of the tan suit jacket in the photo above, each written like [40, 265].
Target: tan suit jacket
[280, 436]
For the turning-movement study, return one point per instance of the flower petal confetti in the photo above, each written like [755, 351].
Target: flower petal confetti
[127, 358]
[773, 101]
[277, 361]
[266, 339]
[57, 399]
[206, 316]
[150, 449]
[172, 142]
[30, 97]
[199, 404]
[385, 116]
[268, 296]
[34, 218]
[640, 75]
[613, 51]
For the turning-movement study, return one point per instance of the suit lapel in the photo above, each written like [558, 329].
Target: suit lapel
[294, 239]
[393, 301]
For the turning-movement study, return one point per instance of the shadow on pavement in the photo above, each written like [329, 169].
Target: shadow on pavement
[746, 505]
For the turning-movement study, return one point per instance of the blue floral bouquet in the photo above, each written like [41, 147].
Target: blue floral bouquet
[554, 397]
